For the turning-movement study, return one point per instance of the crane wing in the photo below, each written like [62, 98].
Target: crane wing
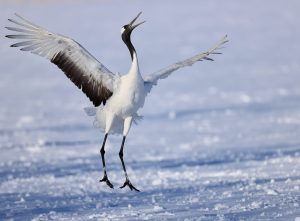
[153, 78]
[88, 74]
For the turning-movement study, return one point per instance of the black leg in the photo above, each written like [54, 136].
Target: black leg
[102, 152]
[127, 181]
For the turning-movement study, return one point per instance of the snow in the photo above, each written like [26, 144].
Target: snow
[219, 141]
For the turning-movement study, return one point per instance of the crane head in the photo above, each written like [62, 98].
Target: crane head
[127, 29]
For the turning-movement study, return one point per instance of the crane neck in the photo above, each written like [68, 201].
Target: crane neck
[130, 48]
[134, 69]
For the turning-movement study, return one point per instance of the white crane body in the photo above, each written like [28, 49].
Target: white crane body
[116, 98]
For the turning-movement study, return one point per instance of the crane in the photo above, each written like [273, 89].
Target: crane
[116, 98]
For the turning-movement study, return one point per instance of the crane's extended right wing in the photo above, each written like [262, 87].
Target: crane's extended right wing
[153, 78]
[85, 71]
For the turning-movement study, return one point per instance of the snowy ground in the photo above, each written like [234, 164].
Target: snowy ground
[219, 141]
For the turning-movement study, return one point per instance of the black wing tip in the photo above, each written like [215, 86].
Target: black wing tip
[209, 59]
[11, 20]
[17, 15]
[11, 36]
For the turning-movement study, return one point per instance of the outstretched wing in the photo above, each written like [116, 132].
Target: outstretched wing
[152, 79]
[88, 74]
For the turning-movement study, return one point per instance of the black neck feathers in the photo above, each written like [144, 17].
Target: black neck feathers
[127, 40]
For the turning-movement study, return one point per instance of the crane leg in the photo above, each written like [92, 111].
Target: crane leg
[127, 124]
[102, 152]
[127, 181]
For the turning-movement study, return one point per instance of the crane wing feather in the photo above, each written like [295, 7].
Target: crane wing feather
[85, 71]
[153, 78]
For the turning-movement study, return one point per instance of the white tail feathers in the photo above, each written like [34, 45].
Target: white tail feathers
[100, 119]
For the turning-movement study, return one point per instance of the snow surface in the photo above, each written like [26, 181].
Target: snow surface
[219, 141]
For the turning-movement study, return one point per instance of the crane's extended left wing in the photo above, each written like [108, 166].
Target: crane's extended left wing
[153, 78]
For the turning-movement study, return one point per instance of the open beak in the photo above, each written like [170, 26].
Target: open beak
[132, 25]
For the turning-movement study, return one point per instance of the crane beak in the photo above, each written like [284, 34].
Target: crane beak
[132, 25]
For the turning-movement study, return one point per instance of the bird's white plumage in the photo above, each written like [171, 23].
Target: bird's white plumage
[127, 99]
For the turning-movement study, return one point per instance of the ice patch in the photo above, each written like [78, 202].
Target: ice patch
[220, 206]
[157, 208]
[271, 192]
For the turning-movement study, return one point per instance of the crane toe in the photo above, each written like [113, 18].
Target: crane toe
[128, 183]
[106, 180]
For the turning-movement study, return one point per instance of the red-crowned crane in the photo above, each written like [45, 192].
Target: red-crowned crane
[116, 98]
